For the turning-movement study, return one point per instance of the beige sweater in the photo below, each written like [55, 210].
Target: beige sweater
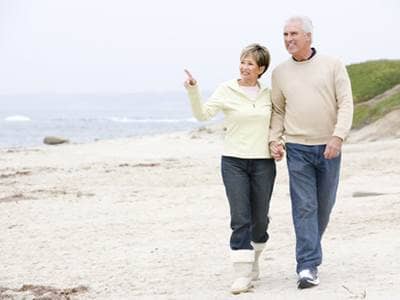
[312, 101]
[246, 120]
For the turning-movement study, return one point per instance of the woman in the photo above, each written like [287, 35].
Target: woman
[248, 171]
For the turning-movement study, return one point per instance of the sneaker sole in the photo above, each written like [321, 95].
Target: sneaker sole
[307, 283]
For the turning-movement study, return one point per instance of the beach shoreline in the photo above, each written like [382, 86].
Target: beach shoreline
[147, 218]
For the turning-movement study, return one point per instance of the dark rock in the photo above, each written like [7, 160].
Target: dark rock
[54, 140]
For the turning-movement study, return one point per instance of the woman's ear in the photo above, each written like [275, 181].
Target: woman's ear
[261, 70]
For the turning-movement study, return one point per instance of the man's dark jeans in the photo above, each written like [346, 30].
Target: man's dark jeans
[313, 184]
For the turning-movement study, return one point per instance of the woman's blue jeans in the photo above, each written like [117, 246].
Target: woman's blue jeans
[248, 185]
[313, 185]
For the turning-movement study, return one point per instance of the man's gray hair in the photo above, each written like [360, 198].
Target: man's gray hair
[305, 22]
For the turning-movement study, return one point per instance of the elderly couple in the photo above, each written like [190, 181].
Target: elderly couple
[307, 116]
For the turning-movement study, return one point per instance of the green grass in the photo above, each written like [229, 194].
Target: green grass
[365, 114]
[372, 78]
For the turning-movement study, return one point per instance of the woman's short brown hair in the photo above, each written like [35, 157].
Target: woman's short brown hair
[259, 53]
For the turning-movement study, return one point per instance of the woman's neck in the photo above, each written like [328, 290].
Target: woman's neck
[247, 82]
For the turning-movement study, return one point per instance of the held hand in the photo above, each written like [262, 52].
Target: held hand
[277, 150]
[190, 81]
[333, 147]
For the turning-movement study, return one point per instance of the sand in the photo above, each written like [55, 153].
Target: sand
[147, 218]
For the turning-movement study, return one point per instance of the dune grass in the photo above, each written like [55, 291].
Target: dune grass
[365, 114]
[372, 78]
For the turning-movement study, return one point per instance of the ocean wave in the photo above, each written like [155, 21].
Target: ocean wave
[17, 118]
[130, 120]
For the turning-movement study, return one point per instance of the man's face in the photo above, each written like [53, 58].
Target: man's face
[296, 40]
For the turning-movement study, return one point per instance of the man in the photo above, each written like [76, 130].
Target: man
[312, 111]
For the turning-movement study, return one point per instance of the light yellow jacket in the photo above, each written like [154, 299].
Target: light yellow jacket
[246, 121]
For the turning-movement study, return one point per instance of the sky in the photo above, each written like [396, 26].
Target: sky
[121, 46]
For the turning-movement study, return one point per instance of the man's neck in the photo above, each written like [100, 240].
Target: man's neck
[306, 55]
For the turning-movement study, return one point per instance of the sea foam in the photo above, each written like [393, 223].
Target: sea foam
[17, 118]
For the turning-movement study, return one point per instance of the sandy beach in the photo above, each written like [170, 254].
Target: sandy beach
[147, 218]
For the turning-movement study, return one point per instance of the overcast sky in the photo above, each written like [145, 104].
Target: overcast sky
[121, 46]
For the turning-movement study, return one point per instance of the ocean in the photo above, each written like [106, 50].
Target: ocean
[26, 119]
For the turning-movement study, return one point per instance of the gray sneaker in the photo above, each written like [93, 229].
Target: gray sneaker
[308, 278]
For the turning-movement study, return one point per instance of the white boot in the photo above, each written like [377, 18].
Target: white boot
[255, 271]
[242, 265]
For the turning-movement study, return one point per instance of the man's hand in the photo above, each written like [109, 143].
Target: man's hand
[333, 147]
[277, 150]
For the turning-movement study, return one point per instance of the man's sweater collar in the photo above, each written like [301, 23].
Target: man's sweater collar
[313, 52]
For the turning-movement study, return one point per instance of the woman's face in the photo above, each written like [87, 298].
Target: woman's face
[249, 70]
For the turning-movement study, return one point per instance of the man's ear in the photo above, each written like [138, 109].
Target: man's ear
[309, 36]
